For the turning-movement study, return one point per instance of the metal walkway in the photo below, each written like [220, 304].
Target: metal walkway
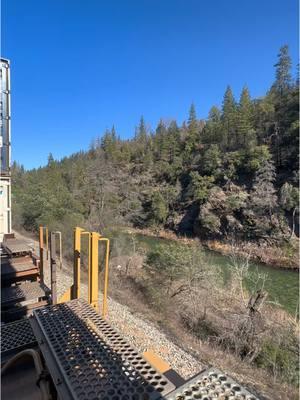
[12, 271]
[28, 291]
[88, 359]
[211, 384]
[19, 300]
[16, 247]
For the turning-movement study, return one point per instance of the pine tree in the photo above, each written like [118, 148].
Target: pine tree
[108, 143]
[229, 119]
[289, 200]
[141, 132]
[51, 161]
[263, 196]
[282, 92]
[192, 132]
[143, 149]
[283, 71]
[113, 134]
[174, 142]
[161, 142]
[214, 114]
[245, 128]
[212, 133]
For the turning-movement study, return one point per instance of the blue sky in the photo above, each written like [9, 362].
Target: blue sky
[79, 66]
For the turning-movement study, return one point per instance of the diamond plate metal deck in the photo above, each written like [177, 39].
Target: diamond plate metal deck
[89, 360]
[16, 336]
[20, 293]
[210, 385]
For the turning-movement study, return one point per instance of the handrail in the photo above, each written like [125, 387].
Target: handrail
[43, 229]
[93, 269]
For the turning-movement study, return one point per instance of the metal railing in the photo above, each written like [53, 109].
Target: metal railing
[93, 269]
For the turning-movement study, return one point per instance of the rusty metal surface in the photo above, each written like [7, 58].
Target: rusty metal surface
[16, 336]
[24, 292]
[16, 246]
[9, 268]
[210, 385]
[17, 312]
[89, 360]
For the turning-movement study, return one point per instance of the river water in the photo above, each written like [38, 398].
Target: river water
[281, 284]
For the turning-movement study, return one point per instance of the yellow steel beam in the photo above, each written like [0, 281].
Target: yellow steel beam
[75, 294]
[93, 278]
[41, 245]
[159, 364]
[93, 269]
[66, 296]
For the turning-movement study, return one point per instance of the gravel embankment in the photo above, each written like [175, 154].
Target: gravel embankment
[140, 333]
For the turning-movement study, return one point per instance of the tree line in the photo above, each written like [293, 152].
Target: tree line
[234, 174]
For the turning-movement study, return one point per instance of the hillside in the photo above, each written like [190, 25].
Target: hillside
[164, 330]
[232, 182]
[233, 176]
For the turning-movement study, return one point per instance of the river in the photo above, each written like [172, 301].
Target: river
[281, 284]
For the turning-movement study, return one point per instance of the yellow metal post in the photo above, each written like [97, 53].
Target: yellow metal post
[93, 285]
[76, 271]
[41, 244]
[104, 305]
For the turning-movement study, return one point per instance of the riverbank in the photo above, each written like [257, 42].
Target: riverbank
[134, 311]
[286, 257]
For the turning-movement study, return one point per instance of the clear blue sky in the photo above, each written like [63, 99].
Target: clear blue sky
[79, 66]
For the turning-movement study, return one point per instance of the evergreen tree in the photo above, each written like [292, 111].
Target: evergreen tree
[214, 114]
[283, 71]
[51, 161]
[192, 132]
[199, 187]
[229, 119]
[159, 209]
[192, 121]
[213, 130]
[245, 129]
[174, 142]
[212, 161]
[113, 134]
[108, 144]
[289, 200]
[161, 142]
[286, 102]
[143, 152]
[141, 132]
[263, 196]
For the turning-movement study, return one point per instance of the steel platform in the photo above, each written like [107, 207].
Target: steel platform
[16, 336]
[26, 292]
[88, 359]
[210, 385]
[15, 247]
[17, 312]
[12, 272]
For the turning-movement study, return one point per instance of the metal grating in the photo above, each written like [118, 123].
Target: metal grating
[90, 360]
[14, 246]
[209, 385]
[16, 336]
[23, 292]
[8, 268]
